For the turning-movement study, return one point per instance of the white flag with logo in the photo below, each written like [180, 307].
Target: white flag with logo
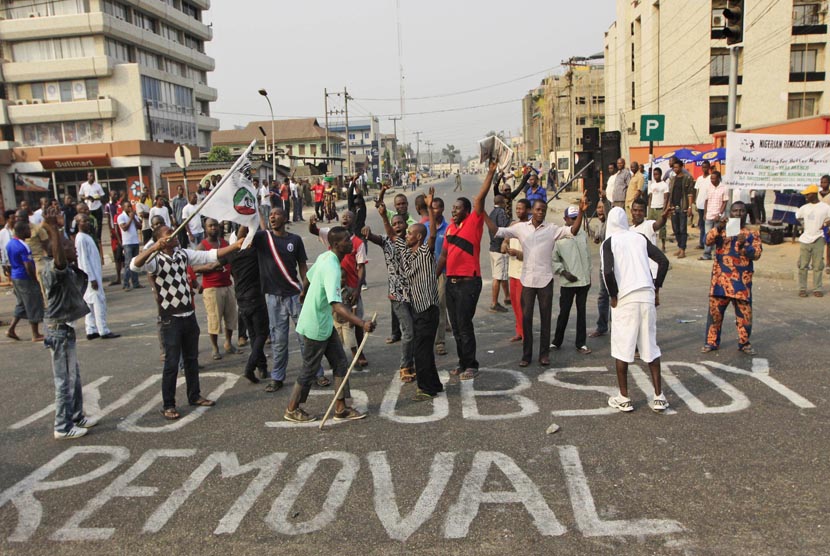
[236, 201]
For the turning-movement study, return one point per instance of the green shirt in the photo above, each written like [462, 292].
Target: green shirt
[316, 322]
[571, 254]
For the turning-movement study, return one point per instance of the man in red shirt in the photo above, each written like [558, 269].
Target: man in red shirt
[460, 256]
[318, 189]
[217, 291]
[285, 190]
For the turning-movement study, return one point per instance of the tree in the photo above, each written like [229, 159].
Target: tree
[220, 154]
[451, 153]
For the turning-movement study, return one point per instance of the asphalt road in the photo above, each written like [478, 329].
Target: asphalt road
[738, 466]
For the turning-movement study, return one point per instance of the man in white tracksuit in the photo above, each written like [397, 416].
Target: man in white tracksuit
[89, 260]
[634, 295]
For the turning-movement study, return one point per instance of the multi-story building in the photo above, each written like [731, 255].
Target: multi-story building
[669, 58]
[556, 112]
[298, 141]
[361, 136]
[108, 86]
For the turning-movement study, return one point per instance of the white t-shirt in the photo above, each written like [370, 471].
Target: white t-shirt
[702, 185]
[293, 189]
[141, 208]
[36, 217]
[93, 189]
[130, 235]
[195, 224]
[814, 215]
[658, 191]
[609, 188]
[5, 237]
[264, 196]
[514, 265]
[160, 211]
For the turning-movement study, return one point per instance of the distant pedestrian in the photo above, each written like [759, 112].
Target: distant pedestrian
[658, 199]
[702, 186]
[89, 261]
[24, 280]
[513, 248]
[622, 179]
[813, 217]
[498, 260]
[130, 224]
[681, 197]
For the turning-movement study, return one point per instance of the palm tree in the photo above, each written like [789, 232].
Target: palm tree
[450, 152]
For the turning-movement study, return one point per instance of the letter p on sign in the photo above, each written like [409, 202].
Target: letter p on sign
[652, 127]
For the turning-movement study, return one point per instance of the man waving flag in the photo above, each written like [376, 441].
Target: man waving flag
[236, 201]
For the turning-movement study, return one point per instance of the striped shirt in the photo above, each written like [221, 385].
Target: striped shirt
[398, 285]
[419, 269]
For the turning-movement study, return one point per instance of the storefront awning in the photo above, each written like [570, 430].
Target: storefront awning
[75, 161]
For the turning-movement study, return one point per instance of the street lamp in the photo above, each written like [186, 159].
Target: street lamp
[264, 93]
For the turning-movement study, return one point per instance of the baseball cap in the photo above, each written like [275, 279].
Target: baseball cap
[572, 211]
[810, 189]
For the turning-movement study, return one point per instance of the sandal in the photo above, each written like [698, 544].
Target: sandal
[362, 361]
[170, 413]
[469, 374]
[440, 349]
[323, 381]
[407, 374]
[802, 293]
[707, 349]
[818, 294]
[456, 372]
[204, 402]
[747, 350]
[516, 338]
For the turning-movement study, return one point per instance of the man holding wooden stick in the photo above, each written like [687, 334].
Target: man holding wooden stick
[321, 296]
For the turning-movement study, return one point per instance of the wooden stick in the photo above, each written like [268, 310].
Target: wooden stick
[348, 372]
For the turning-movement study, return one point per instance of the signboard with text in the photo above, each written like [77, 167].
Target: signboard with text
[652, 127]
[762, 161]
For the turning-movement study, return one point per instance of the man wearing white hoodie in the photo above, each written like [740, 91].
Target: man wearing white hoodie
[634, 294]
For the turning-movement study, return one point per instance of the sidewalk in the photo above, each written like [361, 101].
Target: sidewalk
[778, 262]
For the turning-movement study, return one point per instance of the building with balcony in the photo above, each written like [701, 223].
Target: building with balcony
[669, 57]
[109, 86]
[298, 142]
[362, 134]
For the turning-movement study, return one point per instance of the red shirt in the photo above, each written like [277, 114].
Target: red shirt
[217, 278]
[349, 263]
[284, 192]
[318, 192]
[463, 245]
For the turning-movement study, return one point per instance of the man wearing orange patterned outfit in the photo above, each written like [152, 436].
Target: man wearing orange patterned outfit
[732, 280]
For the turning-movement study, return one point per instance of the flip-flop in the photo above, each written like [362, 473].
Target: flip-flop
[12, 336]
[802, 293]
[469, 374]
[170, 414]
[818, 294]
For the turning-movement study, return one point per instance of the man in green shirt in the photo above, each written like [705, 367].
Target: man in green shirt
[572, 262]
[321, 296]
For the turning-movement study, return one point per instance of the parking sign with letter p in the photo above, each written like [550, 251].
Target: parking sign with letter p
[652, 127]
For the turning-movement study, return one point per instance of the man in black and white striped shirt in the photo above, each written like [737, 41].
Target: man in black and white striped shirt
[418, 267]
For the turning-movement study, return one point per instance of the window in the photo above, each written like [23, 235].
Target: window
[63, 133]
[632, 56]
[116, 10]
[366, 135]
[22, 9]
[579, 140]
[800, 105]
[167, 96]
[633, 95]
[718, 21]
[53, 49]
[301, 149]
[806, 14]
[118, 50]
[598, 99]
[313, 147]
[144, 21]
[579, 100]
[148, 59]
[351, 136]
[719, 63]
[580, 120]
[717, 114]
[803, 59]
[169, 32]
[60, 91]
[192, 42]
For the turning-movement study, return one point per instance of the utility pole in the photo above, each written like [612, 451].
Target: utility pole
[395, 142]
[417, 149]
[429, 150]
[348, 148]
[326, 110]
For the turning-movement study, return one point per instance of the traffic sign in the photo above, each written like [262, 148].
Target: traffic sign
[652, 127]
[183, 156]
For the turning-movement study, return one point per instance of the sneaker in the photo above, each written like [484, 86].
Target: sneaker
[621, 403]
[298, 416]
[71, 434]
[349, 414]
[86, 422]
[659, 403]
[498, 308]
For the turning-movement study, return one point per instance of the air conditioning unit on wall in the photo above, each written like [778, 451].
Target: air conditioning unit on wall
[21, 102]
[37, 101]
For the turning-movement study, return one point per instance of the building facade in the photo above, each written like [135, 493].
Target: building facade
[555, 113]
[298, 141]
[109, 86]
[669, 57]
[361, 135]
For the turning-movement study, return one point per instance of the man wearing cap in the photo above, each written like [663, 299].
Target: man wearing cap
[813, 217]
[572, 262]
[732, 279]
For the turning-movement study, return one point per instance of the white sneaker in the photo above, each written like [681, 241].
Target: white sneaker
[74, 432]
[621, 403]
[659, 403]
[86, 422]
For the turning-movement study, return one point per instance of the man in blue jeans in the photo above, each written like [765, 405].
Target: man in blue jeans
[130, 224]
[682, 197]
[64, 285]
[282, 270]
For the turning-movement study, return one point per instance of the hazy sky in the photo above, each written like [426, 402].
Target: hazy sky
[296, 49]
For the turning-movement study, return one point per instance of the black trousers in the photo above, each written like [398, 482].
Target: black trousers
[180, 338]
[254, 315]
[529, 297]
[426, 326]
[313, 352]
[566, 299]
[462, 298]
[318, 209]
[396, 324]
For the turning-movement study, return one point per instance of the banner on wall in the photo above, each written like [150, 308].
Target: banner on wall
[36, 184]
[762, 161]
[134, 187]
